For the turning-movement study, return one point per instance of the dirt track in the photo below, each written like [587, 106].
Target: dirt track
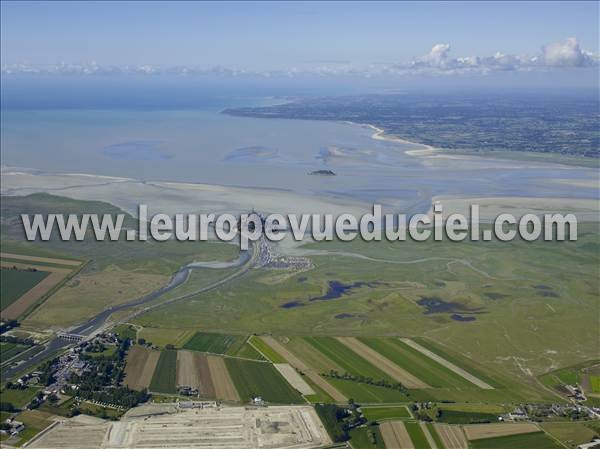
[224, 387]
[395, 435]
[478, 431]
[383, 363]
[310, 373]
[451, 366]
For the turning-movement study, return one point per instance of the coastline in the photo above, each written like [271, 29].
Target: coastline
[430, 151]
[379, 134]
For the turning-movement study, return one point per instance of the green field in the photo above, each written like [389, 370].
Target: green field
[461, 361]
[524, 295]
[366, 437]
[429, 371]
[509, 284]
[8, 350]
[164, 377]
[346, 358]
[380, 413]
[368, 394]
[125, 331]
[125, 270]
[434, 435]
[269, 352]
[247, 351]
[536, 440]
[457, 417]
[215, 343]
[350, 362]
[595, 383]
[14, 283]
[232, 345]
[18, 397]
[261, 379]
[35, 421]
[570, 433]
[416, 435]
[569, 375]
[472, 407]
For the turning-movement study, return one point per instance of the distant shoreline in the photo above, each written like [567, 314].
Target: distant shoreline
[516, 156]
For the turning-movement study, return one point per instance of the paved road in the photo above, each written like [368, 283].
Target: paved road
[99, 323]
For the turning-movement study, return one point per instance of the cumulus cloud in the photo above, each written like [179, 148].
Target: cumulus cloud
[437, 57]
[554, 56]
[566, 54]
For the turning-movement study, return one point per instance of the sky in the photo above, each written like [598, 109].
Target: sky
[363, 39]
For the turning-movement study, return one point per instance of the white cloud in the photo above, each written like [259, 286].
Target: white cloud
[437, 57]
[566, 54]
[557, 55]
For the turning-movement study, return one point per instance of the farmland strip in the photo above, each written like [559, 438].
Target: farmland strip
[187, 374]
[207, 388]
[451, 366]
[293, 378]
[451, 436]
[149, 367]
[375, 358]
[310, 373]
[134, 369]
[30, 297]
[224, 387]
[40, 259]
[478, 431]
[395, 435]
[430, 440]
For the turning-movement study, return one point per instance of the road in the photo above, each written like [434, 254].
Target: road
[99, 323]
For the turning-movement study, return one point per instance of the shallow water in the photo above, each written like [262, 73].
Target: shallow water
[205, 146]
